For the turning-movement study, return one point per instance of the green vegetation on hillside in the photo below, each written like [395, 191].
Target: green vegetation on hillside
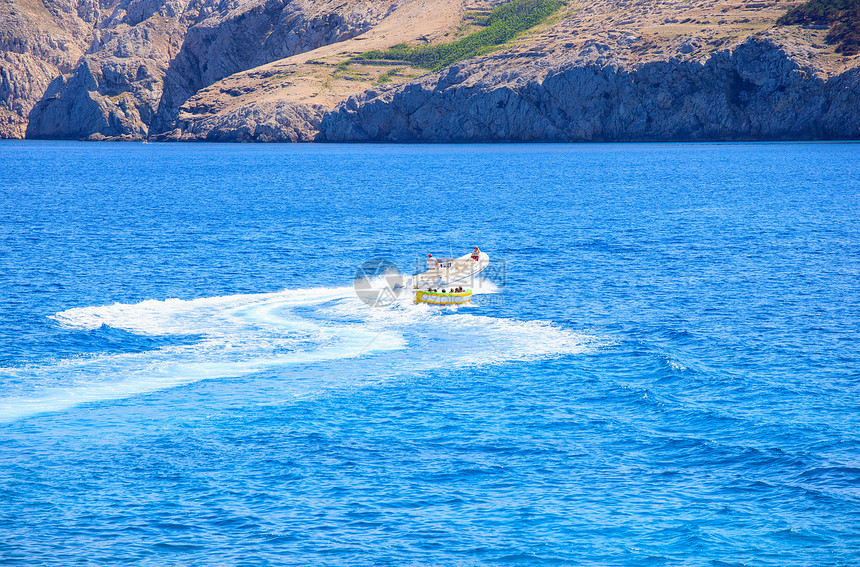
[502, 25]
[843, 17]
[388, 75]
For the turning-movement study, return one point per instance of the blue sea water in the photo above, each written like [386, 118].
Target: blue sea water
[665, 369]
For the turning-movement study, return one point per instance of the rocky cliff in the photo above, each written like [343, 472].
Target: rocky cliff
[122, 70]
[754, 92]
[283, 70]
[37, 45]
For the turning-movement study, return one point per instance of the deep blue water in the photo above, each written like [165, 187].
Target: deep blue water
[666, 373]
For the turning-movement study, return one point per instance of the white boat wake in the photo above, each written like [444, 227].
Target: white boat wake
[277, 333]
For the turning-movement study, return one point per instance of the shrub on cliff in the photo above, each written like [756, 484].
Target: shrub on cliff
[843, 17]
[502, 25]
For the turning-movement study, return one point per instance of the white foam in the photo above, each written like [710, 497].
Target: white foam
[178, 316]
[239, 335]
[462, 337]
[483, 286]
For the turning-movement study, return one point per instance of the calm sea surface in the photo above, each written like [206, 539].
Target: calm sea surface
[664, 368]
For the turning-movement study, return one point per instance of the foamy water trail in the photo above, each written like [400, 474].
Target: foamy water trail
[239, 335]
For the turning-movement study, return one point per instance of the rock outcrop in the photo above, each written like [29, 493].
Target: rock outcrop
[299, 90]
[259, 121]
[37, 45]
[150, 56]
[274, 29]
[754, 92]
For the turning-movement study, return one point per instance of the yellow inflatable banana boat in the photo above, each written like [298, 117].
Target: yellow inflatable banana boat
[440, 298]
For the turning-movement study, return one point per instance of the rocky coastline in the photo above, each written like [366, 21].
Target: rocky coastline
[756, 92]
[279, 71]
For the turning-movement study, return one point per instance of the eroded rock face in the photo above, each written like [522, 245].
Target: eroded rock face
[752, 93]
[116, 88]
[274, 29]
[147, 57]
[260, 121]
[599, 74]
[37, 44]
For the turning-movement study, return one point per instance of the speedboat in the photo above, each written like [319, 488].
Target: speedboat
[435, 286]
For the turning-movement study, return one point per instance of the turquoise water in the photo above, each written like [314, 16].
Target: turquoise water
[663, 369]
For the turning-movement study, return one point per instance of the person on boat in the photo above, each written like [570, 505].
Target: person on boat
[476, 254]
[432, 263]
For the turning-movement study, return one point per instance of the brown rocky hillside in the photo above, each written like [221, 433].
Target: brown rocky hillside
[276, 70]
